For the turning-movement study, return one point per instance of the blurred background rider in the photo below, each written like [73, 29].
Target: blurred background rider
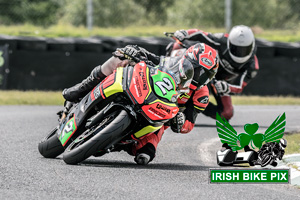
[238, 63]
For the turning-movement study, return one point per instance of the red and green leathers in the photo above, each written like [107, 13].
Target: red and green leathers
[192, 103]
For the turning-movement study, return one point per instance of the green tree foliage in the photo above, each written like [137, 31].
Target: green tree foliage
[156, 10]
[74, 12]
[29, 11]
[106, 13]
[117, 13]
[196, 13]
[267, 14]
[294, 7]
[122, 13]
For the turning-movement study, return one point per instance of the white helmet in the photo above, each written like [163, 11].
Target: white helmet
[240, 43]
[282, 143]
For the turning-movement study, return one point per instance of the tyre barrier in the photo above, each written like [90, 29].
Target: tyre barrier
[37, 63]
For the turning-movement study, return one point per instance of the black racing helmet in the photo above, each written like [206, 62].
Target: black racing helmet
[198, 65]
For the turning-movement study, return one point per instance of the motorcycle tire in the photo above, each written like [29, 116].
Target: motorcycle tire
[267, 159]
[50, 146]
[90, 142]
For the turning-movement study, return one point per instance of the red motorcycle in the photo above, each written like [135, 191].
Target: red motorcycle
[128, 104]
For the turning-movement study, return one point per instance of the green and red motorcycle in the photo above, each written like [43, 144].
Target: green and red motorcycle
[128, 104]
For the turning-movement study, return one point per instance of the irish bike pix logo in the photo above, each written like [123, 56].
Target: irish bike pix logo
[254, 148]
[259, 148]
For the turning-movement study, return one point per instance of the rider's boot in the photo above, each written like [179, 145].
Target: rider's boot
[142, 159]
[98, 74]
[274, 163]
[78, 91]
[145, 155]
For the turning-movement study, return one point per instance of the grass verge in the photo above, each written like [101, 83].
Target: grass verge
[14, 97]
[263, 100]
[31, 98]
[293, 143]
[63, 30]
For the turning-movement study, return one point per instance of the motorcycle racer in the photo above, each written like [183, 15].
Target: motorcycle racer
[238, 63]
[276, 149]
[204, 60]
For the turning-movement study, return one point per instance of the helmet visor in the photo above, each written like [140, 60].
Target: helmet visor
[283, 143]
[240, 51]
[181, 70]
[186, 73]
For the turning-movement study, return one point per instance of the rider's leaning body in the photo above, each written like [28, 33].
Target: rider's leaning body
[238, 63]
[194, 101]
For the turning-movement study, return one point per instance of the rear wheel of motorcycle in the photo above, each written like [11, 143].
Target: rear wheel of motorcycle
[111, 129]
[50, 146]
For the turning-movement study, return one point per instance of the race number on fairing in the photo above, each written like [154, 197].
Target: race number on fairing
[165, 84]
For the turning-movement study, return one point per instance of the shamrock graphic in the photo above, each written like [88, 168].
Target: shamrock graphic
[251, 136]
[228, 134]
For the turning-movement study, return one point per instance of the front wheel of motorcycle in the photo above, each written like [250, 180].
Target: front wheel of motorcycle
[266, 159]
[50, 146]
[110, 130]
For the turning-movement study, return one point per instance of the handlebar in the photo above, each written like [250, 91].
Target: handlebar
[171, 35]
[136, 59]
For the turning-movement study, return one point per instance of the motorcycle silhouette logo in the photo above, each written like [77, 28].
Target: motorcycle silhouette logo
[228, 134]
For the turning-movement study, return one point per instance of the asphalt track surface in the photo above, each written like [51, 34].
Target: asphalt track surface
[179, 171]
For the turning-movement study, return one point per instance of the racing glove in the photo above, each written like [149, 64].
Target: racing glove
[187, 127]
[134, 51]
[181, 35]
[130, 52]
[222, 87]
[177, 122]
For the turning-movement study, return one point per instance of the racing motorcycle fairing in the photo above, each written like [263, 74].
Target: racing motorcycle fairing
[150, 92]
[139, 87]
[159, 110]
[67, 131]
[146, 130]
[110, 85]
[164, 85]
